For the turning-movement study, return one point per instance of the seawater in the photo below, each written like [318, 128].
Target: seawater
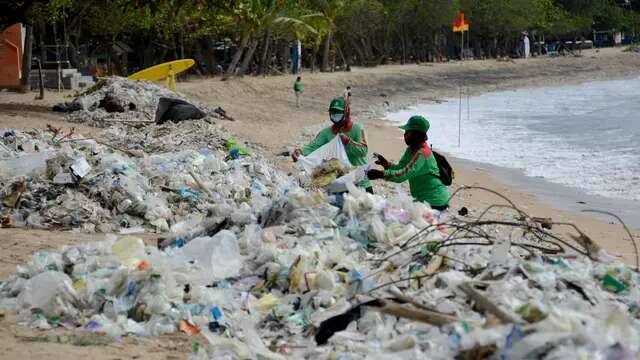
[584, 136]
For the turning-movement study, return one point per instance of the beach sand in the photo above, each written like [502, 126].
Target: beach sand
[265, 113]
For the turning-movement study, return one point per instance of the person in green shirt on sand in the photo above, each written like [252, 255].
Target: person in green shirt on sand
[351, 134]
[297, 88]
[418, 165]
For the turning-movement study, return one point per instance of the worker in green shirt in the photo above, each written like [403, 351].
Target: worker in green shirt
[297, 88]
[351, 134]
[418, 165]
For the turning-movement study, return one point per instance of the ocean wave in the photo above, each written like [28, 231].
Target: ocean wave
[585, 136]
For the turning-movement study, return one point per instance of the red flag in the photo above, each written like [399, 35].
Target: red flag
[461, 24]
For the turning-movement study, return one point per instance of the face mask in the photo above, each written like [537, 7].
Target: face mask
[336, 117]
[414, 138]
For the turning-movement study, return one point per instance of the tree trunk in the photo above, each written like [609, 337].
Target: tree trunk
[25, 84]
[273, 47]
[265, 51]
[344, 60]
[403, 42]
[236, 57]
[269, 58]
[40, 80]
[314, 53]
[43, 49]
[325, 52]
[174, 42]
[248, 57]
[284, 57]
[181, 45]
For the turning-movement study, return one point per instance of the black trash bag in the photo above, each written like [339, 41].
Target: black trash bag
[337, 323]
[67, 107]
[176, 110]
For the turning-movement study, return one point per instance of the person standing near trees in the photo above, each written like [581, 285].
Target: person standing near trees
[297, 88]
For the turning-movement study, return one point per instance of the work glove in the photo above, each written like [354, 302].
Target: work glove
[296, 154]
[374, 174]
[345, 139]
[382, 161]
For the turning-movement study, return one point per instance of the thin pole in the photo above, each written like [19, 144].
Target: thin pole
[459, 115]
[462, 45]
[468, 106]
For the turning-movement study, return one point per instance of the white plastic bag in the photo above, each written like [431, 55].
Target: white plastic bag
[50, 291]
[334, 149]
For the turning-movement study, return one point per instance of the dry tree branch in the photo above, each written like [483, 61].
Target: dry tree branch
[483, 302]
[490, 191]
[393, 282]
[626, 228]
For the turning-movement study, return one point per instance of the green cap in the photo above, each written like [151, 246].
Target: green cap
[417, 123]
[337, 104]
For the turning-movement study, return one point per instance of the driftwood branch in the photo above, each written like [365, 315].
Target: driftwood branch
[199, 183]
[408, 311]
[484, 303]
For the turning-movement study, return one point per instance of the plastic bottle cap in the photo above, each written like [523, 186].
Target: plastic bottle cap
[216, 312]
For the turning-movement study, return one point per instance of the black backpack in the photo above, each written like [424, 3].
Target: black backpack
[446, 171]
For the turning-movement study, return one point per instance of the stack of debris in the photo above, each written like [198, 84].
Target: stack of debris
[60, 180]
[263, 268]
[118, 100]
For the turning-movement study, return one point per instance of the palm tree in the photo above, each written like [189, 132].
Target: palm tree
[330, 10]
[264, 16]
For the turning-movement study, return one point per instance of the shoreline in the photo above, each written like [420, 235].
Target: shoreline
[560, 196]
[555, 194]
[267, 117]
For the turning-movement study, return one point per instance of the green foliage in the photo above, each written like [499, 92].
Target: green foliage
[364, 31]
[50, 11]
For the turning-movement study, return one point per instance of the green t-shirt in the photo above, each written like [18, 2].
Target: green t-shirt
[297, 86]
[421, 169]
[356, 148]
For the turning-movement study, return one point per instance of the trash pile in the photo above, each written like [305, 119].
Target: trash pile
[118, 100]
[262, 268]
[132, 181]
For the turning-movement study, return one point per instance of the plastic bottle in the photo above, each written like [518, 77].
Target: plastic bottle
[195, 353]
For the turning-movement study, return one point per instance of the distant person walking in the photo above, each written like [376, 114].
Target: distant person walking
[526, 45]
[297, 88]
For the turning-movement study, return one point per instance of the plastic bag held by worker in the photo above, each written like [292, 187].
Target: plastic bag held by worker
[334, 149]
